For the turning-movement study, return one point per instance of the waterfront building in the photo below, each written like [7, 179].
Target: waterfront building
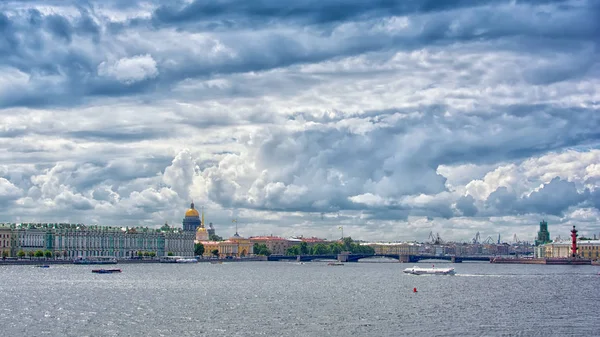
[6, 241]
[30, 238]
[587, 249]
[235, 246]
[191, 221]
[400, 248]
[79, 240]
[276, 245]
[543, 236]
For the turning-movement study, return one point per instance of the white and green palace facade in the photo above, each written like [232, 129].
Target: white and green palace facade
[78, 240]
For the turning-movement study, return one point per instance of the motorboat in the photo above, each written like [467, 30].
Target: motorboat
[106, 271]
[335, 264]
[43, 266]
[184, 260]
[429, 271]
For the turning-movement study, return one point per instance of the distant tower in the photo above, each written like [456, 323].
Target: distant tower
[211, 230]
[543, 235]
[573, 242]
[191, 222]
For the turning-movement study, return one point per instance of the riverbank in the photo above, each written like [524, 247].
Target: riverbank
[42, 261]
[547, 261]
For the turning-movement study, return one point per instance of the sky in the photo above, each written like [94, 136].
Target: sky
[391, 119]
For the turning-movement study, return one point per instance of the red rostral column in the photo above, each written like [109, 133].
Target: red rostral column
[573, 242]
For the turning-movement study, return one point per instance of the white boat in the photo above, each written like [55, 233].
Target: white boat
[335, 264]
[429, 271]
[184, 260]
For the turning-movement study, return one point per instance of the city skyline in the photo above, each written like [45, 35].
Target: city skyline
[392, 120]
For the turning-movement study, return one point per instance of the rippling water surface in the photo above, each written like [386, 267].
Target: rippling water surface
[290, 299]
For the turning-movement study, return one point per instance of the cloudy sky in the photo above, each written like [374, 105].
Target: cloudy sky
[393, 119]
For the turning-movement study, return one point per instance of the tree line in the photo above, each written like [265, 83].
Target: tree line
[334, 248]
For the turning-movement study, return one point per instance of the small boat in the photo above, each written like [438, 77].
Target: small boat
[106, 271]
[429, 271]
[335, 264]
[43, 266]
[184, 260]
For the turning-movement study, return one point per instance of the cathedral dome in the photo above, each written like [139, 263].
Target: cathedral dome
[192, 212]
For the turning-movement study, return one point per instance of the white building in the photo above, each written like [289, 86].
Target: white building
[588, 249]
[78, 240]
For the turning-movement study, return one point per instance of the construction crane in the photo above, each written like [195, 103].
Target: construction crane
[516, 239]
[435, 239]
[489, 240]
[477, 238]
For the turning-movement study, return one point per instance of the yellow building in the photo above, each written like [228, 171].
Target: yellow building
[276, 245]
[6, 244]
[235, 246]
[587, 249]
[201, 232]
[404, 248]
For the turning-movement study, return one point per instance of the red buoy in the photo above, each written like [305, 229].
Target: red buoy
[414, 290]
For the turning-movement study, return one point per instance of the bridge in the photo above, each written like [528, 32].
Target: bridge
[357, 257]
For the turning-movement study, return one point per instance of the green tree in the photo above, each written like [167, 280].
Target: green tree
[293, 250]
[31, 253]
[261, 249]
[152, 254]
[48, 254]
[215, 252]
[336, 248]
[21, 254]
[39, 253]
[5, 253]
[304, 248]
[146, 254]
[170, 254]
[140, 253]
[199, 249]
[347, 242]
[320, 249]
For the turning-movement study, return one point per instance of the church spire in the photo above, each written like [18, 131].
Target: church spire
[202, 223]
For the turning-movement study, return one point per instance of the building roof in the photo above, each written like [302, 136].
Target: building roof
[267, 238]
[579, 242]
[390, 243]
[192, 212]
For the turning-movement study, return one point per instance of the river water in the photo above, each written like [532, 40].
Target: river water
[292, 299]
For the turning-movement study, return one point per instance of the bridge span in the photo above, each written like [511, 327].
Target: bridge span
[357, 257]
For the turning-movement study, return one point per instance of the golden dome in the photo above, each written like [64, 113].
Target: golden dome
[192, 212]
[201, 229]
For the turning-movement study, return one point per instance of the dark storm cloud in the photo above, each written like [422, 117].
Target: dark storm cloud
[522, 131]
[466, 205]
[554, 198]
[309, 11]
[401, 158]
[24, 46]
[123, 134]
